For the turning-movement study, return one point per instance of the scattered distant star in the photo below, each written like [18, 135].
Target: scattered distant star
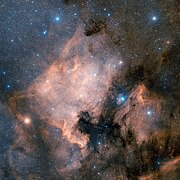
[45, 32]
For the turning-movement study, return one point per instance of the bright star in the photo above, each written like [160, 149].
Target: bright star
[27, 120]
[121, 99]
[45, 32]
[149, 113]
[154, 18]
[57, 18]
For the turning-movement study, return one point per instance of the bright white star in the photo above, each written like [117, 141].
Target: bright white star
[154, 18]
[57, 18]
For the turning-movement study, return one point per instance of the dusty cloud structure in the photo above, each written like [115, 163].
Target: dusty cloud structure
[89, 89]
[90, 114]
[77, 81]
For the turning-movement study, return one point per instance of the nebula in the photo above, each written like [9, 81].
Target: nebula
[105, 104]
[76, 96]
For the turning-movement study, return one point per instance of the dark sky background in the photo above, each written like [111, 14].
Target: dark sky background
[141, 35]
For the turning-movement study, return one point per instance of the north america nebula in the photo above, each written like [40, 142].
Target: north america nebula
[89, 90]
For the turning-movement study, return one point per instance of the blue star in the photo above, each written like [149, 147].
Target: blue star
[122, 98]
[57, 18]
[9, 87]
[154, 18]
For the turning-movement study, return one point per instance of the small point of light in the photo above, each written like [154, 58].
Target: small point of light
[95, 74]
[57, 18]
[45, 32]
[4, 72]
[168, 42]
[75, 14]
[122, 98]
[120, 62]
[149, 113]
[47, 81]
[109, 14]
[154, 18]
[99, 143]
[27, 120]
[8, 86]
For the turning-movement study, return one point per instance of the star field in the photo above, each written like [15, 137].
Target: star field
[89, 89]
